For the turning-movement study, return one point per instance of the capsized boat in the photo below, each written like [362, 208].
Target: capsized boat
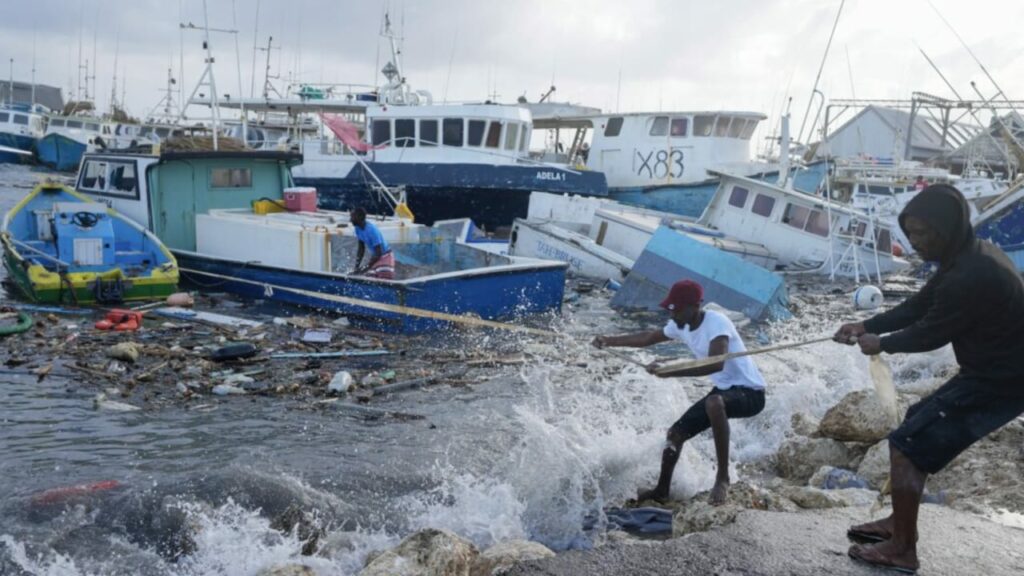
[61, 247]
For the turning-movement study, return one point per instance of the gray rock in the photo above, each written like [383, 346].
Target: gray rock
[429, 552]
[816, 498]
[698, 515]
[804, 424]
[858, 417]
[806, 543]
[799, 458]
[496, 559]
[875, 466]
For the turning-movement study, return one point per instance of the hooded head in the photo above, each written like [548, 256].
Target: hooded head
[938, 223]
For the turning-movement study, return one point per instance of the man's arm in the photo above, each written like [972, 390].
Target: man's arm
[904, 314]
[950, 313]
[718, 346]
[637, 340]
[359, 255]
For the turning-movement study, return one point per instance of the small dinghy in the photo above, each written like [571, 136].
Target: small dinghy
[61, 247]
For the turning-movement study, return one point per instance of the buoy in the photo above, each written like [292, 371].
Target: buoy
[867, 298]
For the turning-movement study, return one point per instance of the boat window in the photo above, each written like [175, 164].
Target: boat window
[453, 132]
[722, 126]
[106, 129]
[476, 133]
[74, 124]
[796, 216]
[879, 190]
[817, 223]
[4, 116]
[862, 227]
[405, 133]
[21, 119]
[381, 132]
[524, 138]
[93, 127]
[884, 241]
[56, 122]
[659, 126]
[494, 134]
[428, 132]
[511, 136]
[703, 125]
[679, 126]
[95, 176]
[748, 130]
[233, 177]
[163, 132]
[738, 197]
[614, 127]
[763, 205]
[736, 128]
[123, 180]
[146, 131]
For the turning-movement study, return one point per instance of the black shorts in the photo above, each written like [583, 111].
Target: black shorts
[740, 402]
[944, 424]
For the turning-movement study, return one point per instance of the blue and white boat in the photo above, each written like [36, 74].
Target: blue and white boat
[1001, 222]
[20, 128]
[68, 137]
[453, 160]
[209, 208]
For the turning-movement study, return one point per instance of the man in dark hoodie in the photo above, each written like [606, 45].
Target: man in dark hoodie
[976, 301]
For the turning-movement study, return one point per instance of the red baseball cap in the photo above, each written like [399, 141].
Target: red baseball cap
[683, 293]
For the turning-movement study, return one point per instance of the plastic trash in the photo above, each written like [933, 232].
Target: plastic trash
[839, 478]
[182, 299]
[341, 383]
[234, 352]
[226, 390]
[867, 297]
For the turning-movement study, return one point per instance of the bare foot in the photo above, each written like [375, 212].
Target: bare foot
[886, 555]
[718, 492]
[652, 494]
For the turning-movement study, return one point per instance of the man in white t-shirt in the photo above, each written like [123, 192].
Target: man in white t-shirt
[738, 390]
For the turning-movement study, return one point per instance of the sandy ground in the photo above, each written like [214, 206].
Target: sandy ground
[801, 543]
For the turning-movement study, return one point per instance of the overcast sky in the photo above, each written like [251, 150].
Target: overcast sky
[670, 54]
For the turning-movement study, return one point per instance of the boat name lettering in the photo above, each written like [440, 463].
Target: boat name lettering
[548, 251]
[665, 164]
[549, 175]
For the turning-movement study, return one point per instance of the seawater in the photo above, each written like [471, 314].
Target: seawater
[529, 452]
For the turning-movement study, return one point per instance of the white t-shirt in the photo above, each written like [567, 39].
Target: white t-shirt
[737, 371]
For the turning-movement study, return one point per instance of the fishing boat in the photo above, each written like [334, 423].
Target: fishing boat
[1001, 222]
[20, 128]
[68, 137]
[602, 238]
[236, 221]
[461, 160]
[61, 247]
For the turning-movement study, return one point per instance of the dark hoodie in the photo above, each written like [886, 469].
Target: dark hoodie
[975, 300]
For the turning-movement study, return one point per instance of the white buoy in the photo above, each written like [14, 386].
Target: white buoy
[867, 298]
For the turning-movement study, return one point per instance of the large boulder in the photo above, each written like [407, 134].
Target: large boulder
[799, 458]
[875, 466]
[804, 424]
[503, 555]
[858, 417]
[699, 516]
[429, 552]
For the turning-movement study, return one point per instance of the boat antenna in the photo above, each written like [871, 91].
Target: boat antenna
[451, 59]
[33, 67]
[10, 90]
[207, 78]
[255, 49]
[113, 84]
[817, 79]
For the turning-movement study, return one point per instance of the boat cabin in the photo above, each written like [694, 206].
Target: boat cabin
[805, 232]
[656, 149]
[20, 121]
